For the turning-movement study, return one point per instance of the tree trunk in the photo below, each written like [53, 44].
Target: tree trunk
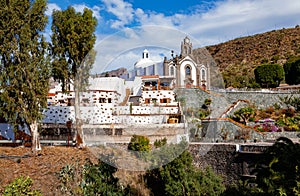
[36, 146]
[78, 123]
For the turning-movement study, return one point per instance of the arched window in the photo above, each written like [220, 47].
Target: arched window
[188, 71]
[203, 74]
[172, 70]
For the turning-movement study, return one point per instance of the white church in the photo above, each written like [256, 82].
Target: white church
[186, 70]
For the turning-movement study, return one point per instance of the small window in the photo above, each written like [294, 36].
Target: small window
[165, 100]
[147, 101]
[109, 100]
[102, 100]
[188, 71]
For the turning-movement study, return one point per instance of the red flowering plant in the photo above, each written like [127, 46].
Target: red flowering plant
[266, 125]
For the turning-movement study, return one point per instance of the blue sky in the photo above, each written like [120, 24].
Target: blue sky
[208, 22]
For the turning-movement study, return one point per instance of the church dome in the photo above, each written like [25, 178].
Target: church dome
[145, 61]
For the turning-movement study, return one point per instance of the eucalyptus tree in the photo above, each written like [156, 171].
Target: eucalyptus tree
[24, 64]
[73, 40]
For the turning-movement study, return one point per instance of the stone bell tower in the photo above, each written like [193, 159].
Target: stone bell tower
[186, 47]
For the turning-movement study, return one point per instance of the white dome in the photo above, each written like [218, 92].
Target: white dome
[145, 61]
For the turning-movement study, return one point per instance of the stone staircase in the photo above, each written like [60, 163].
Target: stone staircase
[218, 105]
[233, 107]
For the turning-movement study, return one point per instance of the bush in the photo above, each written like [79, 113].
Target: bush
[99, 179]
[180, 177]
[160, 143]
[139, 143]
[20, 186]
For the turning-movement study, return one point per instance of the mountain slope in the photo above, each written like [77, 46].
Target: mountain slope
[238, 58]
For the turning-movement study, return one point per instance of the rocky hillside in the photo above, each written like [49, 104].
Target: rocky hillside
[114, 73]
[238, 58]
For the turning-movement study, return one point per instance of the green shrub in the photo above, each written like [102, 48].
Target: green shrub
[180, 177]
[160, 143]
[20, 187]
[139, 143]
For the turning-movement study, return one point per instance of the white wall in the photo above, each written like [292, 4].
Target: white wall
[193, 72]
[160, 94]
[107, 114]
[125, 110]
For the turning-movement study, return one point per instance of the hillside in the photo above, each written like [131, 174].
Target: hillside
[43, 169]
[238, 58]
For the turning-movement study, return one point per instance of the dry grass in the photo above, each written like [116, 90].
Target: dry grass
[42, 168]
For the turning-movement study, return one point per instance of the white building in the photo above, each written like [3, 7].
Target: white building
[146, 100]
[187, 70]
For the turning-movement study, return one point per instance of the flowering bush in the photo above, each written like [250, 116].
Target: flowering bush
[267, 127]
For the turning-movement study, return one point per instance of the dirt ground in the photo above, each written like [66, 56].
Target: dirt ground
[42, 168]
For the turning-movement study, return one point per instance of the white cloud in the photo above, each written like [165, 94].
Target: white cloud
[95, 9]
[51, 7]
[122, 10]
[234, 18]
[225, 20]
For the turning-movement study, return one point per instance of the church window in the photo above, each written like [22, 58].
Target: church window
[188, 71]
[172, 71]
[203, 75]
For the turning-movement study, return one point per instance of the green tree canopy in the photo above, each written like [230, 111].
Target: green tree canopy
[269, 75]
[292, 71]
[73, 40]
[179, 177]
[278, 173]
[24, 64]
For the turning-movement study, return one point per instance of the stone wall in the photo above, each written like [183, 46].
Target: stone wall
[226, 130]
[122, 133]
[221, 158]
[223, 99]
[232, 161]
[261, 99]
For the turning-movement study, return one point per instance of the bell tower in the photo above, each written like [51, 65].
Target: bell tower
[186, 47]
